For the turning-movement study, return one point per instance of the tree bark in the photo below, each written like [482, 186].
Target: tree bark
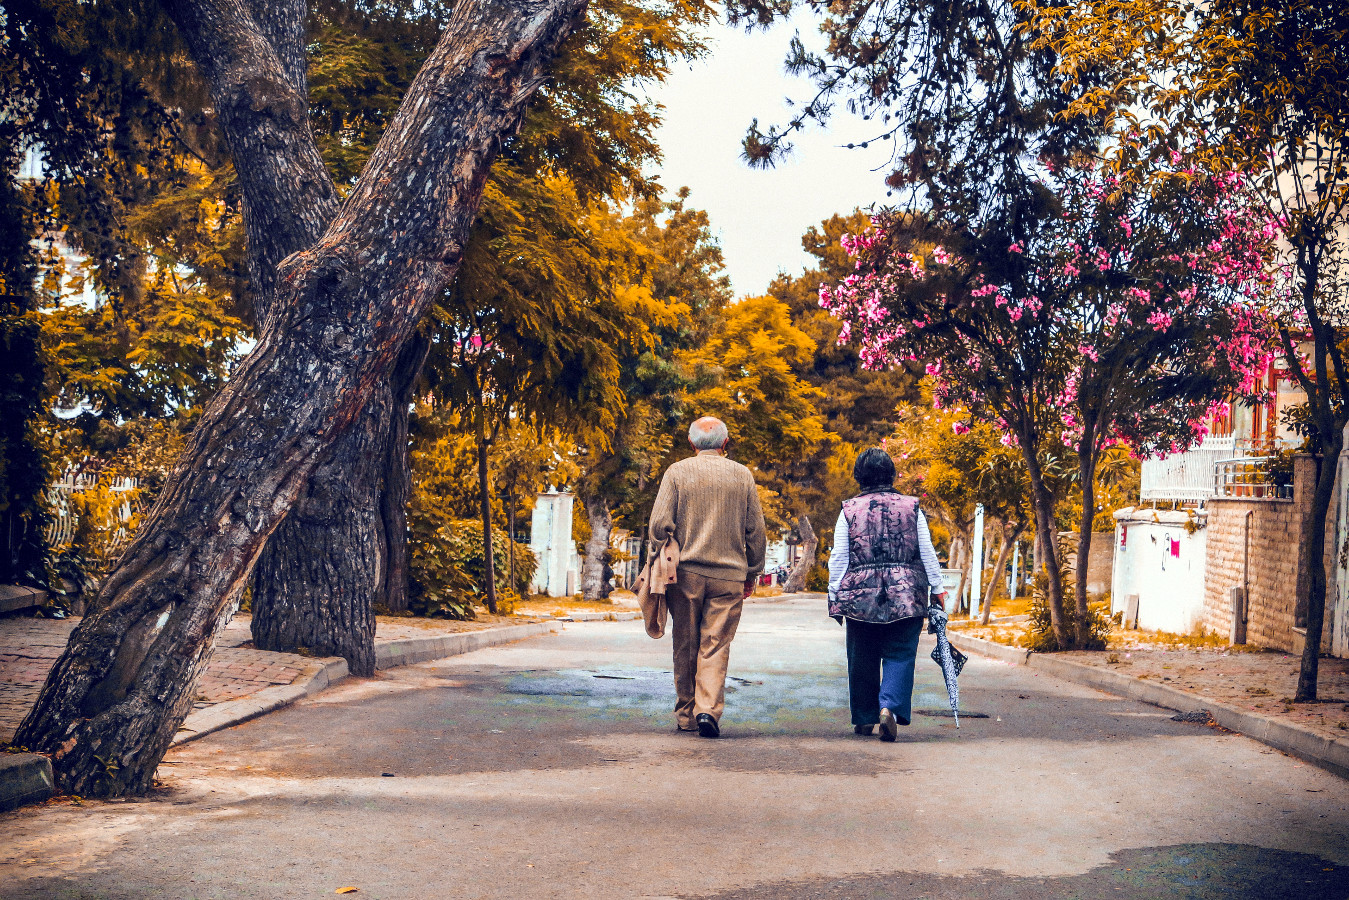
[1314, 545]
[397, 482]
[1048, 556]
[1086, 464]
[1007, 539]
[116, 696]
[485, 510]
[796, 578]
[510, 543]
[594, 582]
[313, 587]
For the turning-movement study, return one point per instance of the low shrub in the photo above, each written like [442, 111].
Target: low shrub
[449, 570]
[1040, 636]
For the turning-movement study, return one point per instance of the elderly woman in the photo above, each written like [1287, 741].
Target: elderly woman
[881, 572]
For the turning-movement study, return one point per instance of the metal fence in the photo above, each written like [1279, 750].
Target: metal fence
[65, 518]
[1251, 477]
[1186, 477]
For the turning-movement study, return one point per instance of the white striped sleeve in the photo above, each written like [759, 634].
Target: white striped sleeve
[928, 554]
[838, 556]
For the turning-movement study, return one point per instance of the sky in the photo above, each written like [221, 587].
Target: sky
[759, 215]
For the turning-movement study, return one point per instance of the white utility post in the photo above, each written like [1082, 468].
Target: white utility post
[977, 561]
[1013, 587]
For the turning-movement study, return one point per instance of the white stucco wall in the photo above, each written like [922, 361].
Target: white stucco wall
[1160, 560]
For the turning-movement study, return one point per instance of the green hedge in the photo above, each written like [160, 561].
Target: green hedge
[448, 569]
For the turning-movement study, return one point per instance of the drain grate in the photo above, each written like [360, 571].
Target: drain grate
[947, 714]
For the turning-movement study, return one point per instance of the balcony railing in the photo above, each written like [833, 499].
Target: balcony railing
[1251, 477]
[1186, 477]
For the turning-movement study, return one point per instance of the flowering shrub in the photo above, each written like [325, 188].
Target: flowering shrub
[1103, 312]
[1132, 311]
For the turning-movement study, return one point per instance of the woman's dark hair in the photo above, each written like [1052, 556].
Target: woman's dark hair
[874, 469]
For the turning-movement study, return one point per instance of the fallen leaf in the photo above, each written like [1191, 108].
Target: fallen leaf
[346, 890]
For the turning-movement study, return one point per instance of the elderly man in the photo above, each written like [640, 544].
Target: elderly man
[710, 506]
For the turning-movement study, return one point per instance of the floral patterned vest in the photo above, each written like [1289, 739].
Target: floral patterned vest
[886, 580]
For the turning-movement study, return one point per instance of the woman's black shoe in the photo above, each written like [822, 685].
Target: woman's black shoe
[707, 726]
[862, 729]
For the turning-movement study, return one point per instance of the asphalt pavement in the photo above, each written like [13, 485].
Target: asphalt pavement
[551, 768]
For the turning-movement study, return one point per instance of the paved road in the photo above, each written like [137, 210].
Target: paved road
[550, 768]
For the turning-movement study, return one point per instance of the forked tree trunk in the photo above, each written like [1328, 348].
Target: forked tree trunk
[1008, 535]
[594, 580]
[116, 696]
[796, 578]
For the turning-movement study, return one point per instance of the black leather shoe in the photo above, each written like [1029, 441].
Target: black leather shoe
[863, 729]
[707, 726]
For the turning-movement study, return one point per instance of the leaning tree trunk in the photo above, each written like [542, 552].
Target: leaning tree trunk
[594, 583]
[962, 551]
[116, 696]
[796, 578]
[1314, 546]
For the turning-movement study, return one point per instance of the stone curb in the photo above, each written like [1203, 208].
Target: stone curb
[627, 615]
[315, 676]
[406, 651]
[24, 778]
[1328, 753]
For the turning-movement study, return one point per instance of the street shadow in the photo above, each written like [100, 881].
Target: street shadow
[500, 720]
[1178, 872]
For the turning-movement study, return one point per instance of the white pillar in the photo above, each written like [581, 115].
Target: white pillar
[551, 540]
[1013, 588]
[977, 562]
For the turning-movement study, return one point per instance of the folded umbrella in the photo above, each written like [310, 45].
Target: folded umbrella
[949, 658]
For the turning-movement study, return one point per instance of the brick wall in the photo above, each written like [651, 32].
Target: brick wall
[1277, 564]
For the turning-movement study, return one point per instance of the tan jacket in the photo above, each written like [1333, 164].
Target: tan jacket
[660, 571]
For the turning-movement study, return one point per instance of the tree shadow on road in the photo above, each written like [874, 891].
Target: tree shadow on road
[1179, 872]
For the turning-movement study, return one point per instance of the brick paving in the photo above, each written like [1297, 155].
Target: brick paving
[29, 647]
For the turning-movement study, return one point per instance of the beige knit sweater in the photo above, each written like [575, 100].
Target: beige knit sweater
[711, 507]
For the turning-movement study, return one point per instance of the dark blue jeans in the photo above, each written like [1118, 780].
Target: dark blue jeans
[880, 668]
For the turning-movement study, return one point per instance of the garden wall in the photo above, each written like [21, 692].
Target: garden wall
[1275, 564]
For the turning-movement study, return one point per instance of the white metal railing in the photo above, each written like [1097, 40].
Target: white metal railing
[61, 528]
[1188, 476]
[1249, 477]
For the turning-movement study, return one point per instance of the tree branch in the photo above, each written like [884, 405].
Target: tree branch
[255, 70]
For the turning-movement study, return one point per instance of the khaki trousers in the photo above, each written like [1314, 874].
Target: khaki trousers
[704, 614]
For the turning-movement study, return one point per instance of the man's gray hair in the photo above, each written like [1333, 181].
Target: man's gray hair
[708, 433]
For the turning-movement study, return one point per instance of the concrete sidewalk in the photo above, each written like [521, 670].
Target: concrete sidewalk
[239, 683]
[1243, 692]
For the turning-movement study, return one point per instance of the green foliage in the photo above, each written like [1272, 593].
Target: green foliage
[1041, 637]
[448, 567]
[24, 471]
[817, 579]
